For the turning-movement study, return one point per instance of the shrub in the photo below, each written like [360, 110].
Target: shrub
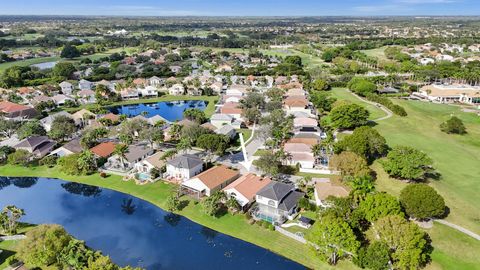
[396, 109]
[422, 201]
[453, 126]
[11, 261]
[19, 157]
[103, 175]
[49, 161]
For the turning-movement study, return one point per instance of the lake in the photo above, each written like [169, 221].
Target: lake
[170, 110]
[132, 231]
[45, 65]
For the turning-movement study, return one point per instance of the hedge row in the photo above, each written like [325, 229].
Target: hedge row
[396, 109]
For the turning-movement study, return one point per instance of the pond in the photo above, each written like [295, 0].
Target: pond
[45, 65]
[132, 231]
[170, 110]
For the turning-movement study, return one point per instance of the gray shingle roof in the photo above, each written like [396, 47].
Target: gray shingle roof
[290, 201]
[275, 190]
[185, 161]
[33, 142]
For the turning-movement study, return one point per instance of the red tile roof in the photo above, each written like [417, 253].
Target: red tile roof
[104, 149]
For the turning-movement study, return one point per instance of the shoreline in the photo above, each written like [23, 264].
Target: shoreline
[232, 225]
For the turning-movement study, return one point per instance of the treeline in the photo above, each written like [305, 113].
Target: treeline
[385, 101]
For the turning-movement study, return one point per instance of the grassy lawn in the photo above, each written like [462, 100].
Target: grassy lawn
[234, 225]
[8, 248]
[378, 53]
[342, 93]
[455, 157]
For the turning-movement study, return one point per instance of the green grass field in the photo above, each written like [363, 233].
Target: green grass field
[456, 158]
[28, 62]
[378, 53]
[343, 94]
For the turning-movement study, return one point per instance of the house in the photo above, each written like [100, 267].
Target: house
[232, 109]
[237, 90]
[103, 150]
[175, 69]
[183, 167]
[455, 93]
[113, 118]
[67, 88]
[296, 104]
[227, 130]
[129, 93]
[176, 89]
[219, 120]
[15, 111]
[244, 189]
[47, 121]
[83, 117]
[209, 181]
[304, 122]
[425, 61]
[277, 202]
[86, 96]
[72, 147]
[309, 130]
[155, 82]
[39, 146]
[325, 189]
[149, 91]
[134, 154]
[299, 153]
[192, 91]
[85, 85]
[145, 166]
[217, 87]
[60, 99]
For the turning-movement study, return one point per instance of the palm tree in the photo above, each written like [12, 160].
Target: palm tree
[120, 151]
[9, 218]
[86, 162]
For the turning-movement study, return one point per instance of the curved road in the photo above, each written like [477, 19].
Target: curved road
[458, 228]
[383, 108]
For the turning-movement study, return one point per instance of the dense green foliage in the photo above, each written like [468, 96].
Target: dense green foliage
[348, 116]
[407, 163]
[454, 125]
[365, 142]
[422, 201]
[380, 205]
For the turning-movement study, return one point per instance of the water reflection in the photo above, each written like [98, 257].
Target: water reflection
[81, 189]
[128, 207]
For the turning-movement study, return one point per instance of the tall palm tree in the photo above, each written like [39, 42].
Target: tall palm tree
[121, 150]
[9, 217]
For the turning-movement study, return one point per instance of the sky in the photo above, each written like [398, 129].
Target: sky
[240, 7]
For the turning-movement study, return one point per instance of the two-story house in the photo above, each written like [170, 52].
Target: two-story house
[277, 202]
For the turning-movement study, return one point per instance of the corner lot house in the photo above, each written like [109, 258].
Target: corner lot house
[39, 146]
[209, 181]
[183, 167]
[277, 202]
[244, 189]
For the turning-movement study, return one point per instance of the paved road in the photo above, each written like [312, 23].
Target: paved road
[383, 108]
[458, 228]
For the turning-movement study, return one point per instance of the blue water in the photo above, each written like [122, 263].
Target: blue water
[132, 231]
[45, 65]
[170, 110]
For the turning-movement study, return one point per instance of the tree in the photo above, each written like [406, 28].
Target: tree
[173, 200]
[407, 163]
[75, 255]
[365, 142]
[422, 201]
[43, 245]
[9, 219]
[121, 150]
[8, 127]
[332, 239]
[19, 157]
[350, 164]
[212, 205]
[362, 86]
[322, 101]
[270, 162]
[63, 69]
[406, 241]
[253, 100]
[349, 116]
[233, 205]
[453, 126]
[31, 128]
[252, 115]
[213, 143]
[277, 126]
[376, 256]
[152, 134]
[320, 84]
[196, 115]
[86, 162]
[69, 51]
[62, 127]
[379, 205]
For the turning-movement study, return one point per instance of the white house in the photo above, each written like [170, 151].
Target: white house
[183, 167]
[61, 99]
[149, 91]
[85, 85]
[219, 120]
[227, 130]
[47, 121]
[277, 202]
[145, 166]
[67, 88]
[176, 89]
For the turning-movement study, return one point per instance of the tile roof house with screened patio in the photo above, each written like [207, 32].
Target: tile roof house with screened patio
[209, 181]
[277, 202]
